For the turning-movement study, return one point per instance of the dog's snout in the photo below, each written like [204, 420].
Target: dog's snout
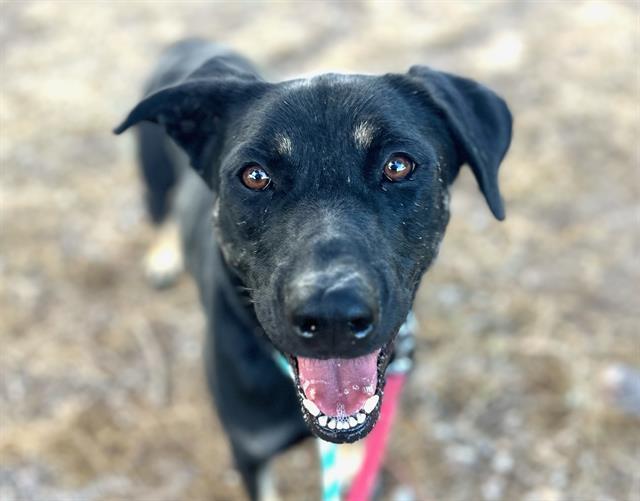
[331, 311]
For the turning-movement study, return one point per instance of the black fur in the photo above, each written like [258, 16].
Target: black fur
[329, 211]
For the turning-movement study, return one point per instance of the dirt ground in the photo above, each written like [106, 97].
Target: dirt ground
[101, 390]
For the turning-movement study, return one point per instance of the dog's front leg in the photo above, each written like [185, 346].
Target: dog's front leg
[256, 477]
[266, 483]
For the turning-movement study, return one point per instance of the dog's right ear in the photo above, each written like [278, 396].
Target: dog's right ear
[194, 114]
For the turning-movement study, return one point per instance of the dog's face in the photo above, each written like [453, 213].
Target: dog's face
[332, 201]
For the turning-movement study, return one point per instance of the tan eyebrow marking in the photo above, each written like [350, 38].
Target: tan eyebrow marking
[284, 146]
[363, 134]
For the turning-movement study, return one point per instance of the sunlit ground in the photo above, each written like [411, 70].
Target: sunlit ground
[101, 390]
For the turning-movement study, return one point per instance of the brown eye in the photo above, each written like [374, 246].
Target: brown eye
[255, 177]
[398, 167]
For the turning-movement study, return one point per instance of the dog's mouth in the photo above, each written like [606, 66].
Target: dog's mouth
[341, 397]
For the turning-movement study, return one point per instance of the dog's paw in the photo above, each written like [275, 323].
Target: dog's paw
[164, 262]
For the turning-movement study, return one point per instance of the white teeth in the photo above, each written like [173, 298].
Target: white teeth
[370, 404]
[345, 422]
[311, 407]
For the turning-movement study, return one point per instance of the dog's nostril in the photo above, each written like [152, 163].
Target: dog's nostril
[361, 327]
[331, 312]
[306, 327]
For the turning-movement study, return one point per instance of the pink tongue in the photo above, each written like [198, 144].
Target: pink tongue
[339, 386]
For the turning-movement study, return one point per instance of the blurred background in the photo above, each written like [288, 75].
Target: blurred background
[524, 386]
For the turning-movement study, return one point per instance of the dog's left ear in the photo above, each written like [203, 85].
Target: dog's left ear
[480, 122]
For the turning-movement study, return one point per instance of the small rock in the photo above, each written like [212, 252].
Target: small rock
[621, 387]
[462, 454]
[403, 493]
[493, 489]
[502, 462]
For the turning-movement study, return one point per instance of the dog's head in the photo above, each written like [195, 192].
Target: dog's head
[331, 202]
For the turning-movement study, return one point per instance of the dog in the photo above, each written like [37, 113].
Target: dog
[316, 207]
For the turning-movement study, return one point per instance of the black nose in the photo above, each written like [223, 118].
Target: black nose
[334, 311]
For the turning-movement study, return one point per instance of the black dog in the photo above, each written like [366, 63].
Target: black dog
[330, 200]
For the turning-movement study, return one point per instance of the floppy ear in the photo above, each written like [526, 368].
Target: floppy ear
[480, 122]
[193, 115]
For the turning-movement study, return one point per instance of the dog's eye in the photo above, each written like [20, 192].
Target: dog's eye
[255, 177]
[398, 167]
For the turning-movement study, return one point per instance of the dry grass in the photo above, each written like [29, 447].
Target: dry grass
[102, 395]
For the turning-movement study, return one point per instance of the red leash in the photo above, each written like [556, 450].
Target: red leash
[376, 443]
